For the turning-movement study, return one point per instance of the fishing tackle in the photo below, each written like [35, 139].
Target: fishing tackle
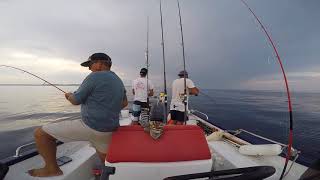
[290, 139]
[34, 76]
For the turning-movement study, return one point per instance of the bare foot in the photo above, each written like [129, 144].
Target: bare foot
[44, 172]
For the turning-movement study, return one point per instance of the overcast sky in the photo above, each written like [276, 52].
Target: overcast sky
[225, 47]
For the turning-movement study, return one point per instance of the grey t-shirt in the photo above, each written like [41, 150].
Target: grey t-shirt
[101, 95]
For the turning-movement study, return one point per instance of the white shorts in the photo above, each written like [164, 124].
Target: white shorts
[77, 130]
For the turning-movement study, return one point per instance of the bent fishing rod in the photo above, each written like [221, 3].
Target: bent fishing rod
[290, 138]
[164, 66]
[24, 71]
[185, 97]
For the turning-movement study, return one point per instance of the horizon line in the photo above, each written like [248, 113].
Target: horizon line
[231, 89]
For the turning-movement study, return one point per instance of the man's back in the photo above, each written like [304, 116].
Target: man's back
[101, 95]
[178, 93]
[139, 86]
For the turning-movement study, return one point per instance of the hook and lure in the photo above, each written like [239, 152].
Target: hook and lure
[22, 70]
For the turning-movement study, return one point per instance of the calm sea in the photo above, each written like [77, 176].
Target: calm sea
[22, 108]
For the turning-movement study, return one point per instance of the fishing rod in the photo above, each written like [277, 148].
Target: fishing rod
[147, 57]
[34, 76]
[185, 97]
[164, 66]
[290, 138]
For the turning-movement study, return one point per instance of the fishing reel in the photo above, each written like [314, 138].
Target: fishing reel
[163, 97]
[294, 152]
[183, 97]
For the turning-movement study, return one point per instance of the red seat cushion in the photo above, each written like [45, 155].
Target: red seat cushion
[177, 143]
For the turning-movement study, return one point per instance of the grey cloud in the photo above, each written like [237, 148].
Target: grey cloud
[224, 45]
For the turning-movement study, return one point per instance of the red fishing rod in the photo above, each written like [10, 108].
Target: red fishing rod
[34, 76]
[290, 138]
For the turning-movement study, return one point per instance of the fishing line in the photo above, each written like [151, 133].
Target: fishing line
[290, 138]
[208, 96]
[24, 71]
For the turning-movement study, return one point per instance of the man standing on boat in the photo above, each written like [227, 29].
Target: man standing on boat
[102, 95]
[177, 106]
[142, 88]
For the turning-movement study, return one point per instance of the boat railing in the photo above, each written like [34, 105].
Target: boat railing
[284, 146]
[294, 152]
[20, 148]
[193, 111]
[236, 132]
[22, 153]
[239, 131]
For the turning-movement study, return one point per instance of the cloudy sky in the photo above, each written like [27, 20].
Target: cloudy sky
[225, 48]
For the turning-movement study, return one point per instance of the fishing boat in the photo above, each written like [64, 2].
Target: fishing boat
[212, 152]
[196, 150]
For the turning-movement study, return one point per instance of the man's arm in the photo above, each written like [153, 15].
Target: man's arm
[150, 92]
[124, 101]
[69, 96]
[151, 87]
[133, 85]
[194, 91]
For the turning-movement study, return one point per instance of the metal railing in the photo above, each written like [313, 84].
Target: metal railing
[295, 152]
[21, 155]
[18, 150]
[239, 131]
[193, 111]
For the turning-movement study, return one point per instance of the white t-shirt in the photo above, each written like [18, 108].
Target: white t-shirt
[139, 86]
[177, 94]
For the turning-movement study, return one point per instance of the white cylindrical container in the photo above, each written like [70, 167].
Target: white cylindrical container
[261, 150]
[215, 136]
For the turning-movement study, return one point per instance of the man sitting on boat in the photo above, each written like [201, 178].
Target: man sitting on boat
[142, 88]
[177, 106]
[102, 95]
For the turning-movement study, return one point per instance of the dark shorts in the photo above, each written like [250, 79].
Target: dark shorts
[141, 104]
[177, 115]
